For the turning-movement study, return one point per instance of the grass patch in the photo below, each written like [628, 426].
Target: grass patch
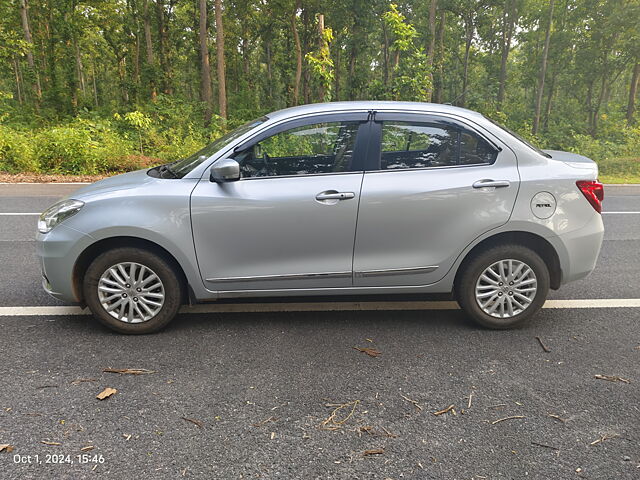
[620, 170]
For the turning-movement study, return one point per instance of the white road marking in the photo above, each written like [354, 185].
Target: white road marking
[18, 214]
[21, 214]
[324, 307]
[45, 183]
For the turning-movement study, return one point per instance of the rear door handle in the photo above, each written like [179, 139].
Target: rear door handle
[491, 183]
[333, 195]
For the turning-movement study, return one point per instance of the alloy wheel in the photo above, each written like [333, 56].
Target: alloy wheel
[506, 288]
[131, 292]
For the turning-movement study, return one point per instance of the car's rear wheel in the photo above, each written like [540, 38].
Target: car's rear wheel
[504, 286]
[131, 290]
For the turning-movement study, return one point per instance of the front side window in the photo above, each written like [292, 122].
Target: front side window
[182, 167]
[426, 145]
[311, 149]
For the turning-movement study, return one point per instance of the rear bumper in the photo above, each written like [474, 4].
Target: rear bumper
[58, 251]
[578, 250]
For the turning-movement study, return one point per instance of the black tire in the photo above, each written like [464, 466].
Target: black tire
[465, 289]
[163, 270]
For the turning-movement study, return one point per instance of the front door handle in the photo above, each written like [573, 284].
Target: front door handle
[333, 195]
[486, 183]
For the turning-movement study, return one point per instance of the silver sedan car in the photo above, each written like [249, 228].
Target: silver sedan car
[332, 199]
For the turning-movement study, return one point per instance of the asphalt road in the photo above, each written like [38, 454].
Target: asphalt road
[258, 388]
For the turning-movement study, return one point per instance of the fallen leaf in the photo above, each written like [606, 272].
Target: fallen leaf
[444, 410]
[195, 422]
[129, 371]
[372, 352]
[106, 393]
[374, 451]
[5, 447]
[47, 442]
[612, 378]
[87, 448]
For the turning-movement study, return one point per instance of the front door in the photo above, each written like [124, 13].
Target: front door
[289, 222]
[427, 198]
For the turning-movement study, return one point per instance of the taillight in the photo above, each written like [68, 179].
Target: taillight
[593, 191]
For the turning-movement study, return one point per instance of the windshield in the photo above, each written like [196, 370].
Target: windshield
[182, 167]
[518, 137]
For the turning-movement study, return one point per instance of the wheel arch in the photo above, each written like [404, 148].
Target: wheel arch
[535, 242]
[92, 251]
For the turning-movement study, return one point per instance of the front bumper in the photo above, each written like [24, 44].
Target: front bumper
[58, 251]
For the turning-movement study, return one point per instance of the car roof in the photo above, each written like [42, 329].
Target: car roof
[377, 105]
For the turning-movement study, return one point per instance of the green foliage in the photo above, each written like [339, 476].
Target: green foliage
[16, 151]
[411, 77]
[97, 100]
[321, 63]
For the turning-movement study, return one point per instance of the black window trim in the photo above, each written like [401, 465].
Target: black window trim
[374, 161]
[360, 149]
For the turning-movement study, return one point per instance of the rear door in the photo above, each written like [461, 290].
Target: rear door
[436, 185]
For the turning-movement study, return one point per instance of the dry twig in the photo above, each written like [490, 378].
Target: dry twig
[82, 380]
[544, 347]
[612, 378]
[507, 418]
[330, 423]
[444, 410]
[602, 438]
[557, 417]
[195, 422]
[389, 434]
[415, 403]
[128, 371]
[264, 422]
[374, 451]
[545, 446]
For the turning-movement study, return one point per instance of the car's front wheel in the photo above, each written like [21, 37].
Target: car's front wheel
[131, 290]
[504, 286]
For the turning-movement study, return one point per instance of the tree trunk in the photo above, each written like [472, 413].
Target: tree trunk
[163, 34]
[24, 15]
[80, 68]
[431, 47]
[508, 24]
[205, 68]
[18, 95]
[148, 41]
[468, 29]
[633, 90]
[222, 86]
[439, 84]
[543, 71]
[547, 110]
[296, 39]
[336, 87]
[321, 44]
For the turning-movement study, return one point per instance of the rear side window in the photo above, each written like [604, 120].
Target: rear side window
[428, 145]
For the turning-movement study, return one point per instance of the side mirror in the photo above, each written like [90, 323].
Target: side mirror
[225, 170]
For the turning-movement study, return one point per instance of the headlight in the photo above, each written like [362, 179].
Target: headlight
[57, 213]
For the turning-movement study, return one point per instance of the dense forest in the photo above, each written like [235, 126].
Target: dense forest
[91, 86]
